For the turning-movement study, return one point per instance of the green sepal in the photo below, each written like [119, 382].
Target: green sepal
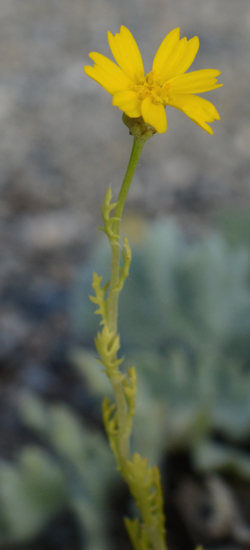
[138, 127]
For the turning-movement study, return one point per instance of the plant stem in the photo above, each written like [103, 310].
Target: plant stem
[112, 302]
[138, 145]
[119, 425]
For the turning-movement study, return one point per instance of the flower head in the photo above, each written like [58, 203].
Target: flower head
[146, 96]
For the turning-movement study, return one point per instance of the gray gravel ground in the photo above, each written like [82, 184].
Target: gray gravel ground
[62, 142]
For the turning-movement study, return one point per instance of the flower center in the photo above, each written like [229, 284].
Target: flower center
[152, 86]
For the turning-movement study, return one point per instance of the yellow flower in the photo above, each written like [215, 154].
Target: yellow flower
[147, 96]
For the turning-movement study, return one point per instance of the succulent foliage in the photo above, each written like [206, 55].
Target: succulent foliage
[185, 321]
[74, 470]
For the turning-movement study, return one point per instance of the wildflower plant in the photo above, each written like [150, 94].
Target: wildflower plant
[143, 100]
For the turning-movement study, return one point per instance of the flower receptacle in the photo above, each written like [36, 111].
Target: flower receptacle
[138, 127]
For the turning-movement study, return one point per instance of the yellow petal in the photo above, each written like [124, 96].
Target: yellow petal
[154, 114]
[185, 59]
[165, 50]
[128, 102]
[175, 58]
[195, 82]
[197, 108]
[107, 74]
[126, 53]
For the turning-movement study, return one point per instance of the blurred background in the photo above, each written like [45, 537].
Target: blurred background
[61, 144]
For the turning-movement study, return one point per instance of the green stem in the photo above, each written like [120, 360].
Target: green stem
[138, 145]
[121, 415]
[122, 401]
[112, 302]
